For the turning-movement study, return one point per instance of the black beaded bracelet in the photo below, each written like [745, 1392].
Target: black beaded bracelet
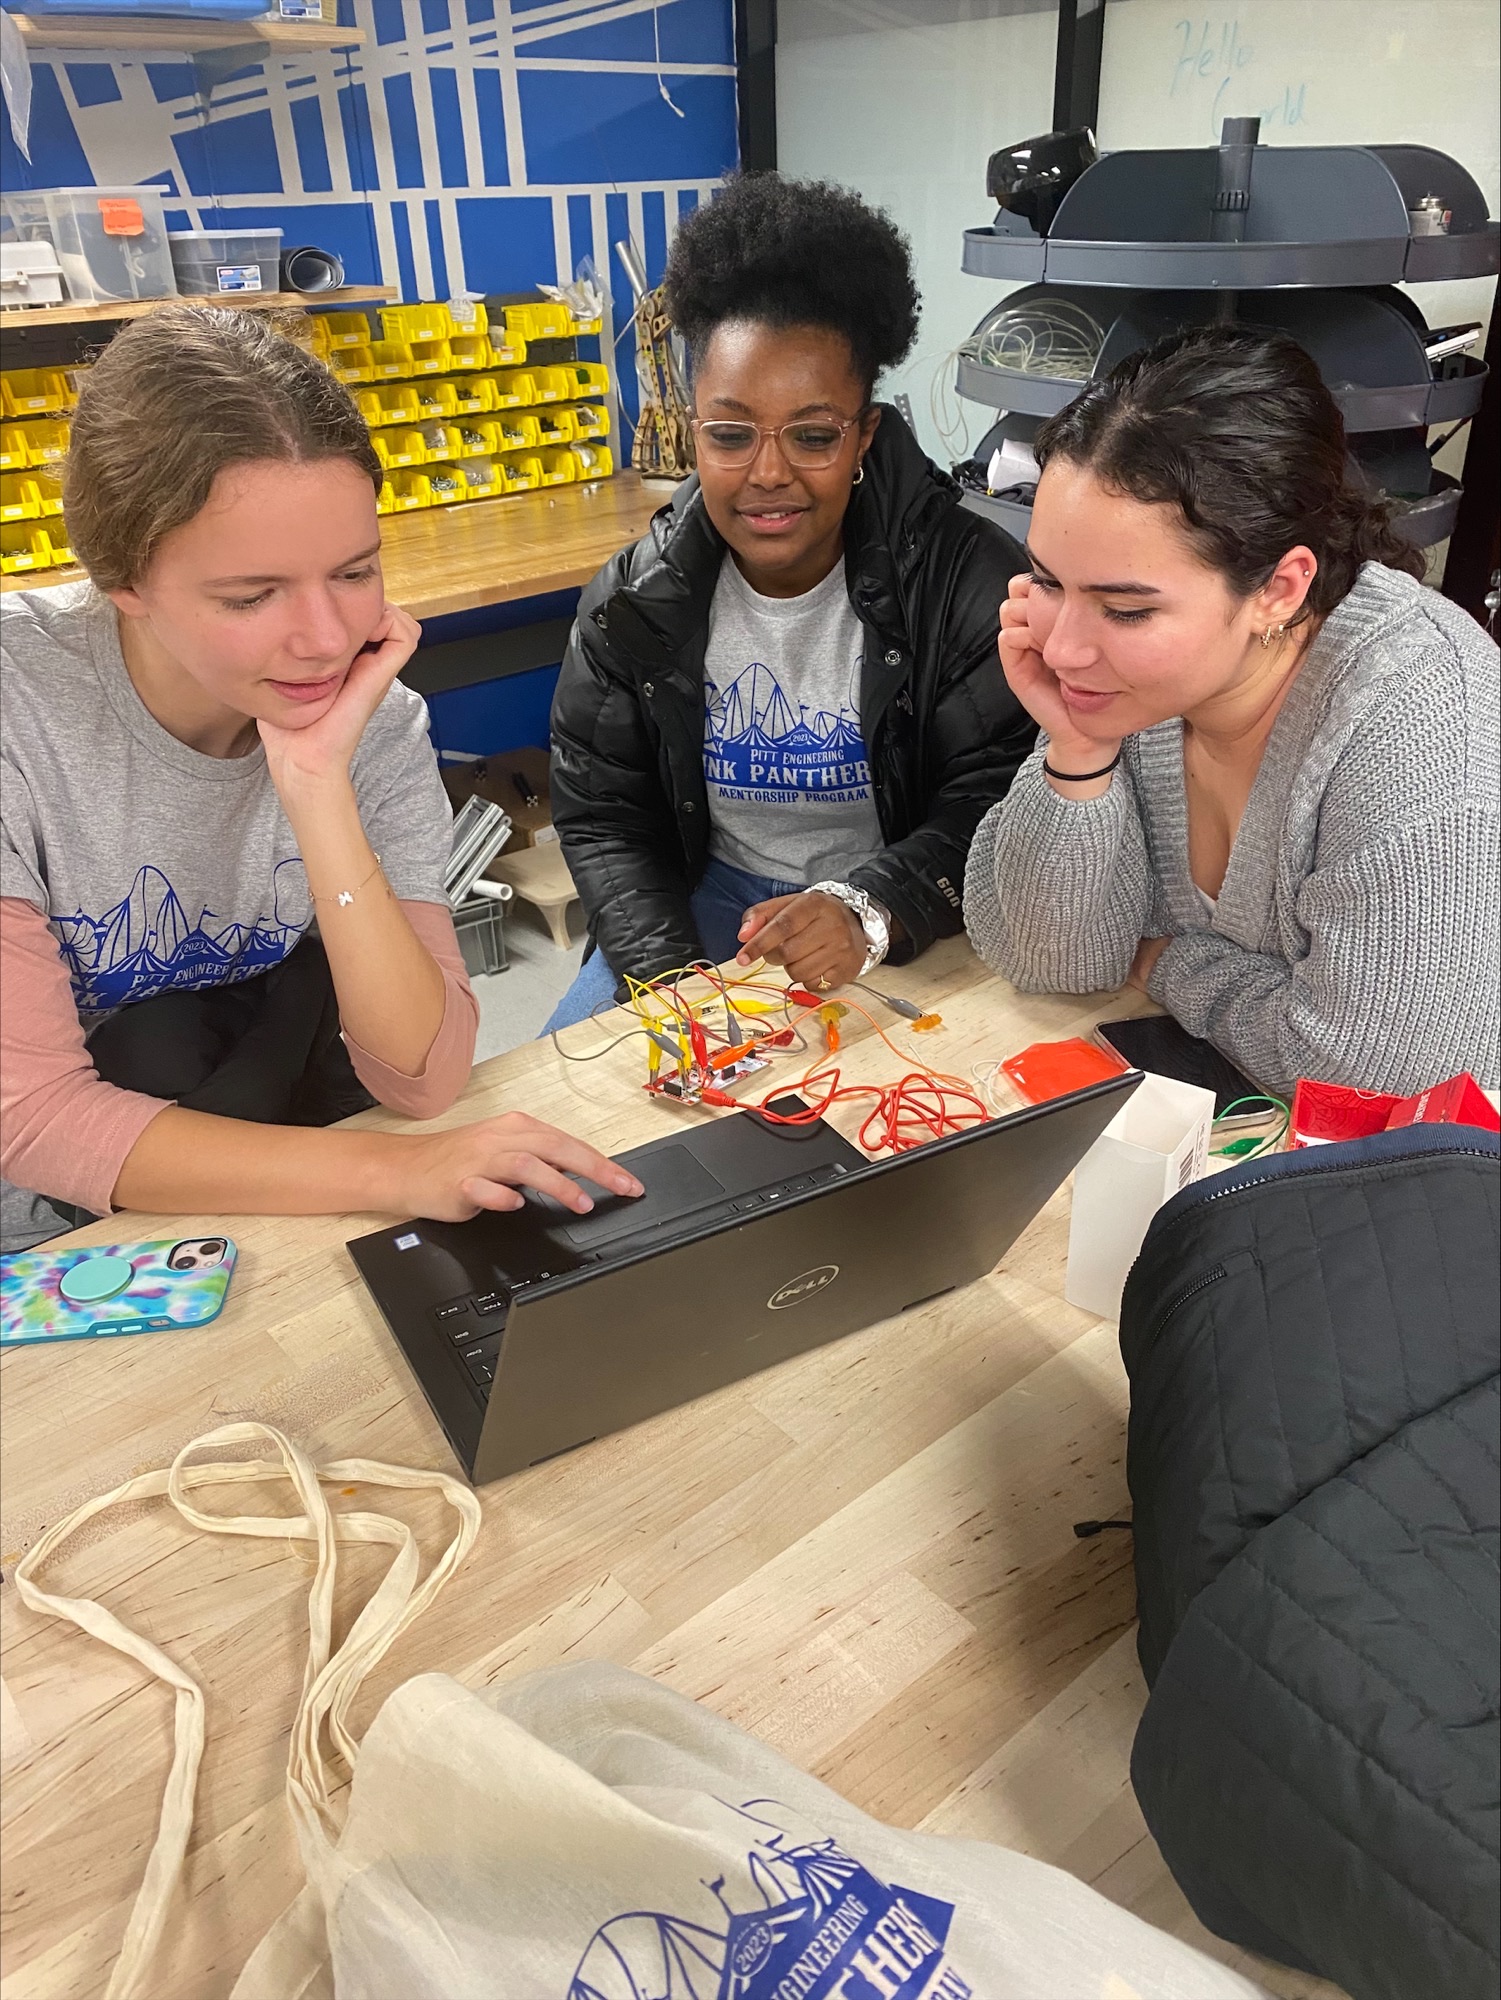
[1081, 777]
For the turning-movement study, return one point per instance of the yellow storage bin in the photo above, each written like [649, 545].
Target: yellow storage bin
[591, 420]
[397, 447]
[559, 467]
[46, 442]
[430, 357]
[483, 478]
[542, 319]
[441, 440]
[385, 500]
[553, 385]
[389, 360]
[410, 489]
[23, 547]
[399, 403]
[593, 461]
[436, 398]
[19, 500]
[512, 387]
[48, 481]
[344, 329]
[37, 392]
[15, 450]
[352, 364]
[448, 484]
[583, 326]
[468, 315]
[468, 350]
[478, 437]
[428, 321]
[522, 472]
[557, 426]
[507, 350]
[473, 394]
[519, 433]
[60, 547]
[368, 405]
[315, 333]
[587, 378]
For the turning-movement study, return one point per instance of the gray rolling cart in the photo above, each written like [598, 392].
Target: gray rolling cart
[1310, 240]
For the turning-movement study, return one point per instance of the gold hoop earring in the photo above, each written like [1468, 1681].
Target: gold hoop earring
[1272, 632]
[859, 474]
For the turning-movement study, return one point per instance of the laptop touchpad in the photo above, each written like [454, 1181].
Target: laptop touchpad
[676, 1183]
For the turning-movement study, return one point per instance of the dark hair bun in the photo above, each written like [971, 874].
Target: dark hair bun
[1235, 429]
[795, 253]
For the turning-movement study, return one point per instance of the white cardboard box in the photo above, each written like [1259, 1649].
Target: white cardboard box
[1154, 1145]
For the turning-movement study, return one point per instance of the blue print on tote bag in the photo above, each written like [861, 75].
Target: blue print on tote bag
[827, 1929]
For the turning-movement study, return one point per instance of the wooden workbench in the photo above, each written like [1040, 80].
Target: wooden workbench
[443, 559]
[865, 1555]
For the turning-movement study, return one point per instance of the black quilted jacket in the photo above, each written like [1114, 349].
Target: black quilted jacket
[1313, 1458]
[944, 732]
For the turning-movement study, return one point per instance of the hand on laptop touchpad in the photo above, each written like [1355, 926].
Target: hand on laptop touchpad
[675, 1183]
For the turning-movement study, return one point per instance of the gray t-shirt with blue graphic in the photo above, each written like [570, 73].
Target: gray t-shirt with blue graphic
[784, 758]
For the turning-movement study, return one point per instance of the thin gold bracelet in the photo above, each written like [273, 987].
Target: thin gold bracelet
[346, 896]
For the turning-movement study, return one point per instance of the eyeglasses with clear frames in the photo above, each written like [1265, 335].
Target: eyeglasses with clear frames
[807, 441]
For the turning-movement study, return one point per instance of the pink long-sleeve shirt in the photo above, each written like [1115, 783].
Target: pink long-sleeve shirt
[67, 1133]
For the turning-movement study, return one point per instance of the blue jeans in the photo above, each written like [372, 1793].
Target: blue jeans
[719, 904]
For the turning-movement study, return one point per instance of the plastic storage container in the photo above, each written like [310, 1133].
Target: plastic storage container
[523, 471]
[556, 426]
[559, 467]
[587, 378]
[436, 399]
[483, 478]
[447, 484]
[473, 395]
[591, 420]
[414, 323]
[211, 262]
[478, 925]
[594, 461]
[111, 241]
[344, 329]
[518, 433]
[37, 392]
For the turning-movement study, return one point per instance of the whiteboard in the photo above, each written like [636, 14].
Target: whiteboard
[1316, 73]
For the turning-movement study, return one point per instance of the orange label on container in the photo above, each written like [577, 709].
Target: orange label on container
[121, 216]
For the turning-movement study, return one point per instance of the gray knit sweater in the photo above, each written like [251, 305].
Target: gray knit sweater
[1356, 934]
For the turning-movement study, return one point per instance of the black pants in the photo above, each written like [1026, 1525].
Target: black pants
[265, 1049]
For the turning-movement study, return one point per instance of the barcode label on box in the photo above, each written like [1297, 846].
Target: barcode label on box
[239, 277]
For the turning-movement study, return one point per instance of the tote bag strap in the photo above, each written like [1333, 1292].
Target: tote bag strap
[331, 1679]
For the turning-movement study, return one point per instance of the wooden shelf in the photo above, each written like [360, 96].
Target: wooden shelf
[127, 32]
[19, 317]
[444, 559]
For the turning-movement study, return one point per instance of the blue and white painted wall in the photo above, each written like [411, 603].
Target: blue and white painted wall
[481, 145]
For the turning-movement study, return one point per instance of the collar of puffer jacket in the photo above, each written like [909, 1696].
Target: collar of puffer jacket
[891, 515]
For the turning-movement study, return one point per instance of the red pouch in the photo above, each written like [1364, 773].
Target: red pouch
[1325, 1112]
[1053, 1069]
[1457, 1101]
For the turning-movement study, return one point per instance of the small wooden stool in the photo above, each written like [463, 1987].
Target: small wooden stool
[539, 875]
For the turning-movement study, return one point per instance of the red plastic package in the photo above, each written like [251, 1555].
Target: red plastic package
[1459, 1100]
[1323, 1113]
[1053, 1069]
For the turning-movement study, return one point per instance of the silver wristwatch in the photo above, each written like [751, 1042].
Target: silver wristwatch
[875, 921]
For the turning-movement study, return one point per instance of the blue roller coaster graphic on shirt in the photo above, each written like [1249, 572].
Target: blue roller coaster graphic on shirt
[827, 1929]
[146, 945]
[759, 747]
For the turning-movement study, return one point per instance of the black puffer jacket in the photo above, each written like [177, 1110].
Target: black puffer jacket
[1313, 1351]
[944, 733]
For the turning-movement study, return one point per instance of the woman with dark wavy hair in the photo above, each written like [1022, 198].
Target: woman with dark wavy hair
[1266, 791]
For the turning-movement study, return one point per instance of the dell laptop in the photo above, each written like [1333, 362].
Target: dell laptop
[536, 1330]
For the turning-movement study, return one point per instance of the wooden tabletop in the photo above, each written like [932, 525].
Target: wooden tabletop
[866, 1556]
[441, 559]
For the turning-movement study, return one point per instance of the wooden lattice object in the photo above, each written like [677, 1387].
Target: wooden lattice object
[663, 446]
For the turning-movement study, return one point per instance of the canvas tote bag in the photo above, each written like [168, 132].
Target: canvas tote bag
[585, 1833]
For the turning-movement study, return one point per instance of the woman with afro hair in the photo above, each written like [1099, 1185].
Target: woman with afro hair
[779, 720]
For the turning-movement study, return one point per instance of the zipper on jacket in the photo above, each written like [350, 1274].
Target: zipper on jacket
[1337, 1167]
[1182, 1298]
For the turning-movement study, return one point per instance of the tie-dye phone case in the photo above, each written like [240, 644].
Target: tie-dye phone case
[102, 1289]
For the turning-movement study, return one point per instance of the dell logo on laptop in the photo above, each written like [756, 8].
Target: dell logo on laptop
[803, 1287]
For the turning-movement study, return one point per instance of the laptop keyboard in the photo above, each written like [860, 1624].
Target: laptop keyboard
[475, 1322]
